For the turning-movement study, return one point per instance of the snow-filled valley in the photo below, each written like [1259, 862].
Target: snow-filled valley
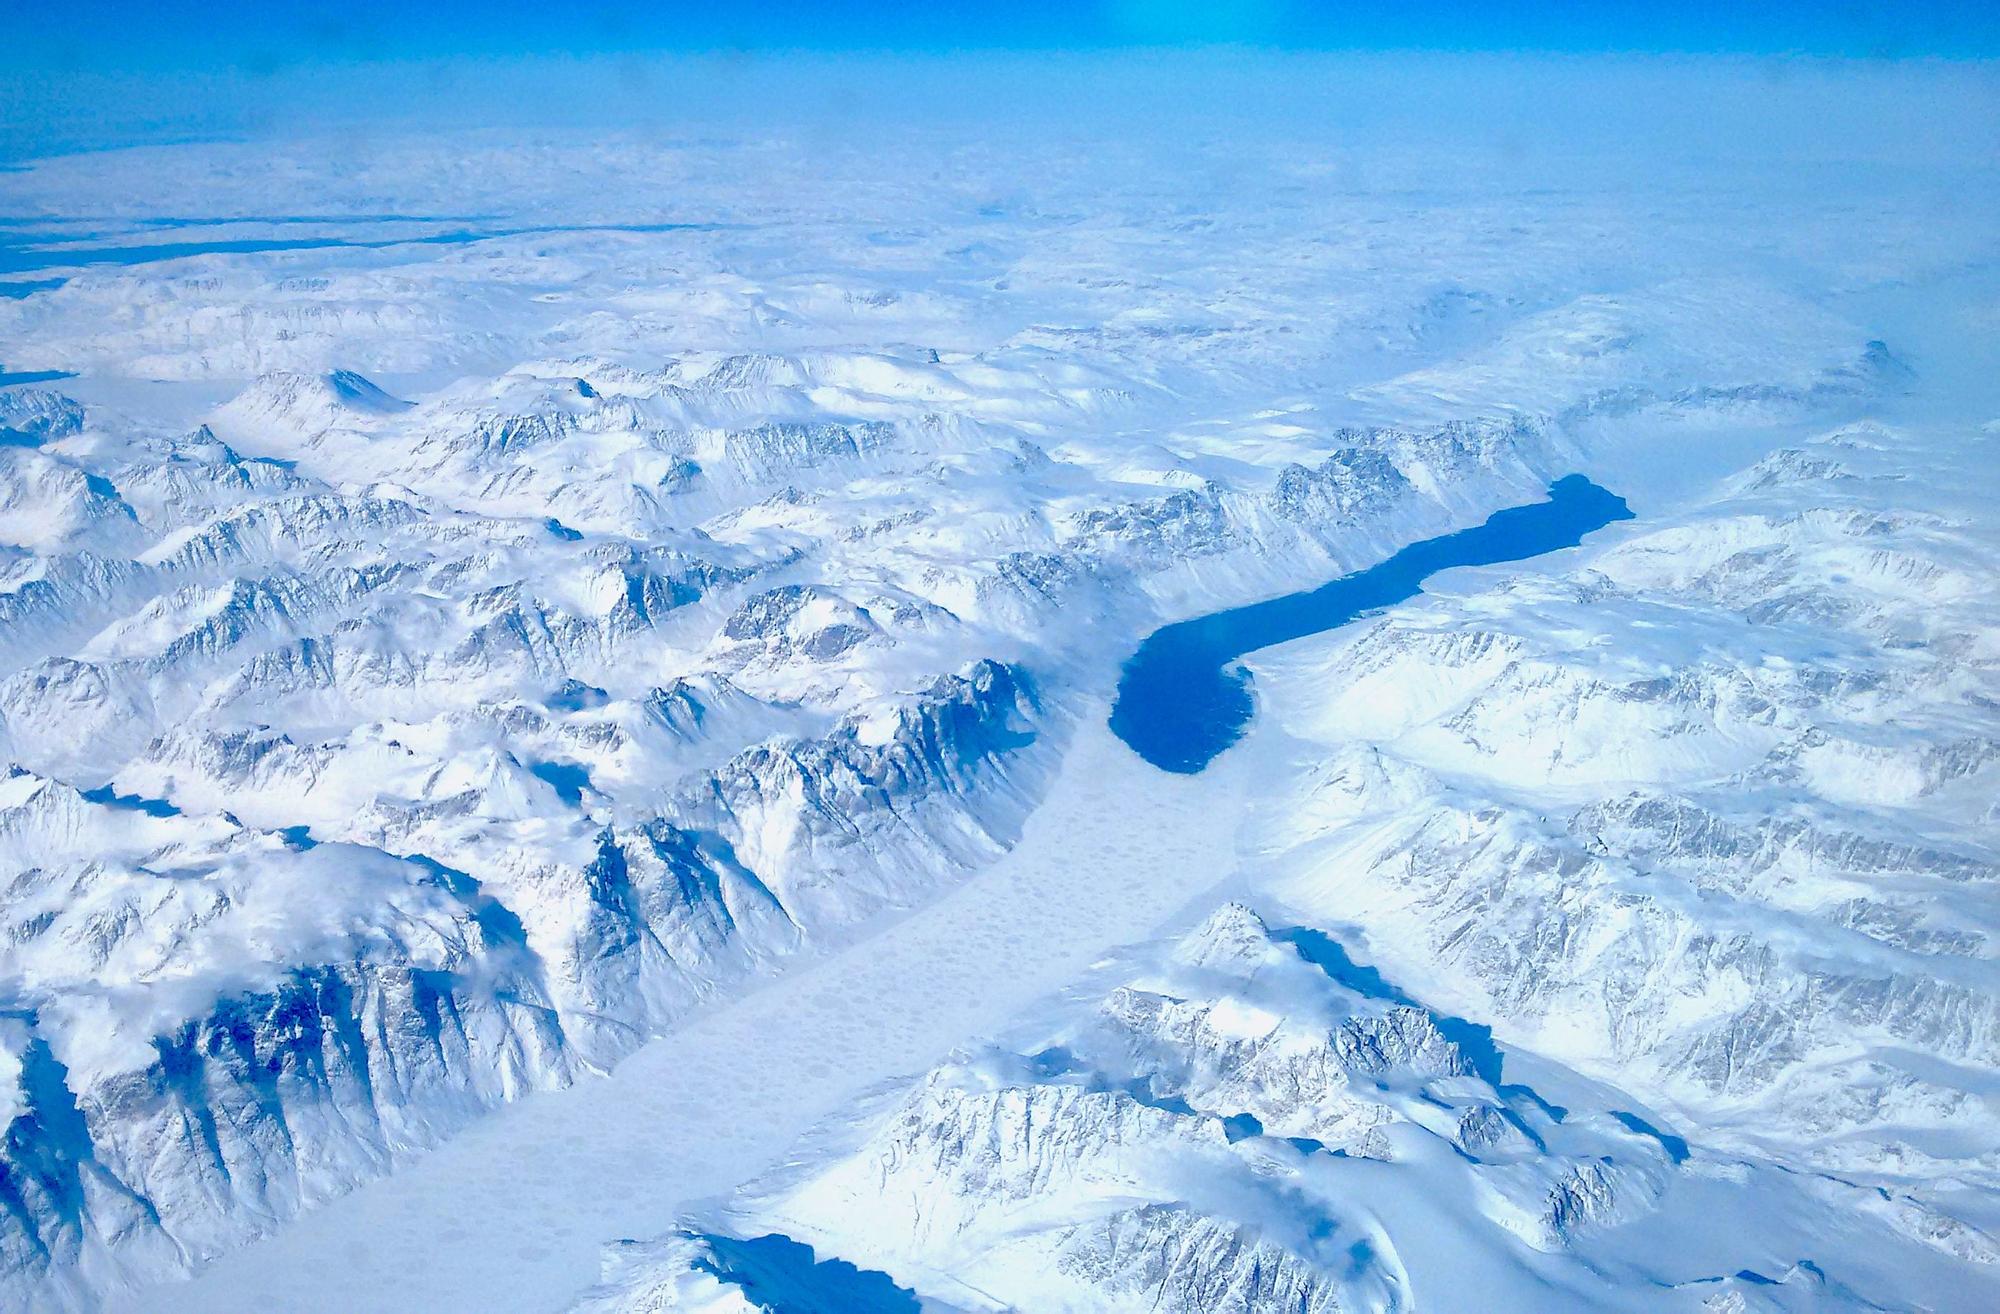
[566, 761]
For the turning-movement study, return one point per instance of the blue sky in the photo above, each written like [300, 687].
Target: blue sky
[94, 73]
[130, 35]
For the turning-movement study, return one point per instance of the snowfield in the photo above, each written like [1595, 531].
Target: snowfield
[560, 761]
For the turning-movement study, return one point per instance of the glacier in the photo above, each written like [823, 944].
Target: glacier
[567, 762]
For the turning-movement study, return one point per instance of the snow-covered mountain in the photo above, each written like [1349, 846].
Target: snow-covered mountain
[1249, 1120]
[359, 797]
[1733, 852]
[437, 663]
[1633, 955]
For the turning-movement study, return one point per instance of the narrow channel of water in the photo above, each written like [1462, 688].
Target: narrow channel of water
[1181, 701]
[34, 252]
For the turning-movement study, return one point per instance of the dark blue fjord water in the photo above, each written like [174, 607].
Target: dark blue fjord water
[31, 252]
[781, 1274]
[1180, 702]
[33, 376]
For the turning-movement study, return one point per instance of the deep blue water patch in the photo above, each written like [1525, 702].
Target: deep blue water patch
[785, 1275]
[34, 376]
[1181, 702]
[567, 778]
[30, 252]
[297, 837]
[111, 798]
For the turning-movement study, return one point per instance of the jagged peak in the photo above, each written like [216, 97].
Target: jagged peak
[1233, 937]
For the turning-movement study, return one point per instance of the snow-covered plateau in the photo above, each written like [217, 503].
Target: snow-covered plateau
[559, 759]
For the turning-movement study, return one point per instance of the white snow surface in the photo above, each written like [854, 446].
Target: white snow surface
[584, 728]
